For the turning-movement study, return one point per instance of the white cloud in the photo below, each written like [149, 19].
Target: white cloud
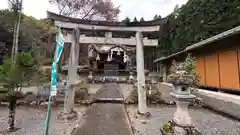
[3, 4]
[35, 8]
[130, 8]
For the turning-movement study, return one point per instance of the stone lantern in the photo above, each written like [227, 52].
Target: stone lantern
[131, 77]
[181, 81]
[90, 76]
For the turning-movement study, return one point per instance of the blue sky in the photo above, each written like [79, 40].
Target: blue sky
[130, 8]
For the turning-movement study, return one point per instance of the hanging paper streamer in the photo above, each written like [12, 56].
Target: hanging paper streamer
[98, 57]
[111, 53]
[118, 53]
[125, 58]
[150, 90]
[109, 58]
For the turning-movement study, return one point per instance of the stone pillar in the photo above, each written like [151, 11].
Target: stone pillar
[142, 106]
[91, 66]
[164, 73]
[131, 78]
[181, 116]
[72, 73]
[108, 34]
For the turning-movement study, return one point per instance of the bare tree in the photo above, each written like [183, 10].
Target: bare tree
[87, 9]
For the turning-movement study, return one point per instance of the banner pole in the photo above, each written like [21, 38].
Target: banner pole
[53, 87]
[46, 128]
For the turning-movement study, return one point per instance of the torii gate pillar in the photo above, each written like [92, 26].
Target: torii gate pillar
[142, 105]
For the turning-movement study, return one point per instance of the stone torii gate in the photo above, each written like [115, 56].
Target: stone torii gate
[73, 36]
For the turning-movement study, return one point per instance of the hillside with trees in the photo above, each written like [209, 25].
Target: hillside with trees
[34, 35]
[197, 20]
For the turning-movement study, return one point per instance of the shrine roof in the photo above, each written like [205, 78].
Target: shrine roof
[56, 17]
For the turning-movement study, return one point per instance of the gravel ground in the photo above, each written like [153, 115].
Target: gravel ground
[31, 121]
[207, 122]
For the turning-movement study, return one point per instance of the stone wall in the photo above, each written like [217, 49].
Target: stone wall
[220, 102]
[224, 103]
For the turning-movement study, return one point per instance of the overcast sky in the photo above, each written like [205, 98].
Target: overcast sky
[130, 8]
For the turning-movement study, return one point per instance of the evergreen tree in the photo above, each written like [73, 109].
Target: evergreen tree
[13, 77]
[197, 20]
[126, 20]
[142, 20]
[155, 17]
[135, 19]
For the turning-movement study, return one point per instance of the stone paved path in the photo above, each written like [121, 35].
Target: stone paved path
[109, 92]
[106, 118]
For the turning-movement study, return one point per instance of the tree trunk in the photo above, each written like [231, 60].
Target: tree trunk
[11, 116]
[16, 33]
[13, 46]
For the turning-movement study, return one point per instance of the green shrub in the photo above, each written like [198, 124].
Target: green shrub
[82, 86]
[189, 76]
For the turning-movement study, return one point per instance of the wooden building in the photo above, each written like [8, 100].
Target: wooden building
[217, 60]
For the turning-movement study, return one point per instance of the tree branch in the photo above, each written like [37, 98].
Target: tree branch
[87, 14]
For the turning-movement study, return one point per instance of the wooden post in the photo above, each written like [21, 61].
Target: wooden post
[142, 105]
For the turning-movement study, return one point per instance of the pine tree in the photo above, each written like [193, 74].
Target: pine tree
[142, 20]
[155, 17]
[126, 20]
[135, 19]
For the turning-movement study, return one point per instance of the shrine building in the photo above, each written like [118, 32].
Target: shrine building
[107, 45]
[217, 61]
